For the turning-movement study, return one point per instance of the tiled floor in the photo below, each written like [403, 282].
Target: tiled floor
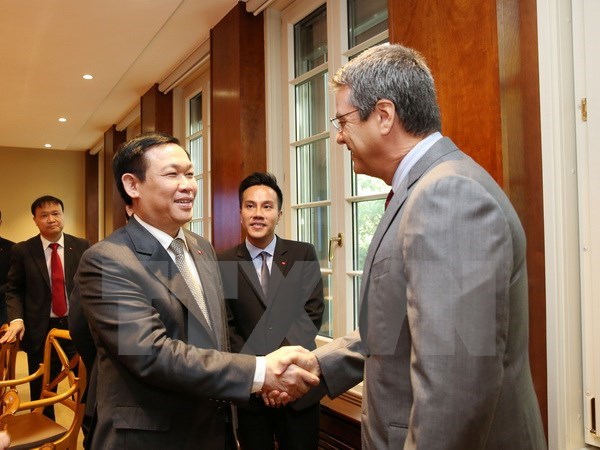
[63, 414]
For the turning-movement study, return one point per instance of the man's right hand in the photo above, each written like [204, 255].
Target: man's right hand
[286, 378]
[16, 329]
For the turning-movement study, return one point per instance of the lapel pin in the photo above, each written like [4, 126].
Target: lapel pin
[199, 252]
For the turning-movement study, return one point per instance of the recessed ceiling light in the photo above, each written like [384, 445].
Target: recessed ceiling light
[87, 76]
[62, 119]
[47, 145]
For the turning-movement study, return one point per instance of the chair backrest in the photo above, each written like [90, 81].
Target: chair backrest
[73, 370]
[8, 358]
[74, 376]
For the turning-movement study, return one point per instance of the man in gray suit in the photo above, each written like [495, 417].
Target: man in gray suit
[152, 295]
[443, 329]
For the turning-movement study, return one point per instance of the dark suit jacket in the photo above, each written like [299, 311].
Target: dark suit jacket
[443, 329]
[28, 294]
[293, 311]
[5, 246]
[161, 378]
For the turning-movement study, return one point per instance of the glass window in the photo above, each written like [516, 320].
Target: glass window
[365, 20]
[310, 41]
[197, 145]
[327, 198]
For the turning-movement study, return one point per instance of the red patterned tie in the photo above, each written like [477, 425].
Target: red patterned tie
[388, 198]
[59, 300]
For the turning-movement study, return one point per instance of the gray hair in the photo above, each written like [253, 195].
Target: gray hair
[396, 73]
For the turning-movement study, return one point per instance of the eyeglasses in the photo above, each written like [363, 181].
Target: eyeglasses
[335, 121]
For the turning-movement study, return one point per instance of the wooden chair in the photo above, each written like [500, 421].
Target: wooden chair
[8, 359]
[29, 430]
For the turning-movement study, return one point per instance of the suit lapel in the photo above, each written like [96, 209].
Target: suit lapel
[205, 267]
[160, 264]
[71, 261]
[279, 268]
[249, 272]
[37, 252]
[429, 160]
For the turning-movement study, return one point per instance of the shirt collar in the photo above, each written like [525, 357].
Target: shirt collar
[46, 242]
[255, 251]
[412, 157]
[164, 238]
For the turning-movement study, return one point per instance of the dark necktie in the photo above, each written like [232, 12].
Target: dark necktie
[59, 299]
[388, 198]
[264, 273]
[195, 287]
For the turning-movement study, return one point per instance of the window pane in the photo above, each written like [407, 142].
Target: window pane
[196, 227]
[310, 41]
[327, 324]
[365, 218]
[197, 212]
[356, 299]
[366, 185]
[196, 153]
[313, 227]
[365, 20]
[312, 172]
[196, 114]
[311, 107]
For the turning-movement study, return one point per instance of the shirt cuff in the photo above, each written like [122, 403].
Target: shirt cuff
[259, 374]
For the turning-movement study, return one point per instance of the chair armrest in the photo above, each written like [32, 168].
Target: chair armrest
[27, 379]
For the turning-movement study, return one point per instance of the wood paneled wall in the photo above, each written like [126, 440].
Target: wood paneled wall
[483, 58]
[114, 206]
[522, 153]
[91, 198]
[156, 111]
[238, 134]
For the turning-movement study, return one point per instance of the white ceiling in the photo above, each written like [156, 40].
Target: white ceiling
[128, 45]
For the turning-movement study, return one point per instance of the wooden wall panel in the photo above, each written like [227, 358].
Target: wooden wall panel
[522, 151]
[238, 135]
[114, 206]
[459, 41]
[483, 56]
[156, 111]
[91, 197]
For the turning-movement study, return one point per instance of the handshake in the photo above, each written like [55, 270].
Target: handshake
[290, 373]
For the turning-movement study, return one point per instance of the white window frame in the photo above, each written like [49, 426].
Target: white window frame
[200, 83]
[279, 26]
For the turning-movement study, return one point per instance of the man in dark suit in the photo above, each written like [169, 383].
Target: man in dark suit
[274, 297]
[5, 246]
[29, 299]
[152, 295]
[443, 328]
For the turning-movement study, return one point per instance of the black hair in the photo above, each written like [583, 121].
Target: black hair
[39, 202]
[130, 158]
[261, 179]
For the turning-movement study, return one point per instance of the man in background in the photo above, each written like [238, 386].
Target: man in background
[39, 283]
[274, 297]
[5, 246]
[152, 294]
[443, 327]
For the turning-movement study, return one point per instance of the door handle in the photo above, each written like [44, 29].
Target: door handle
[340, 242]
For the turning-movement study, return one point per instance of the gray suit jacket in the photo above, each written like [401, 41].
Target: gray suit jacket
[444, 318]
[161, 378]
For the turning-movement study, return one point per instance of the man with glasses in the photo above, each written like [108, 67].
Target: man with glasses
[443, 329]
